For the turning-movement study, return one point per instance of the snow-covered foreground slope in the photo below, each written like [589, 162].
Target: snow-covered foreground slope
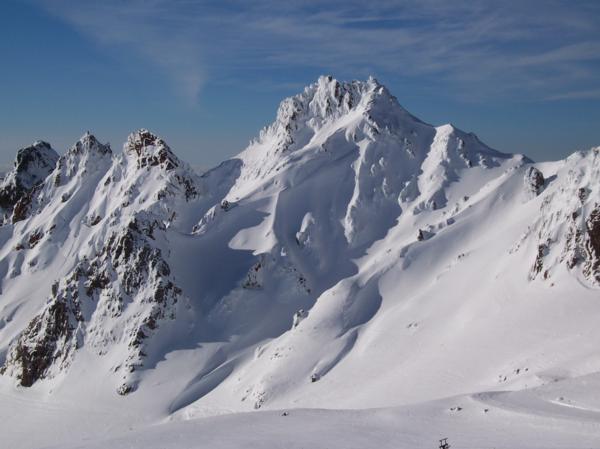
[351, 257]
[558, 415]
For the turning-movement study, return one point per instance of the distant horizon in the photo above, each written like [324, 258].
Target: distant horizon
[208, 77]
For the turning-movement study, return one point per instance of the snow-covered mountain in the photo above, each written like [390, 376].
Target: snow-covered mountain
[352, 256]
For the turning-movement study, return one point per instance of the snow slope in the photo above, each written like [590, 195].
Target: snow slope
[352, 257]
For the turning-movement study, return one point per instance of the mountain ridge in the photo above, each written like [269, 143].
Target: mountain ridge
[343, 243]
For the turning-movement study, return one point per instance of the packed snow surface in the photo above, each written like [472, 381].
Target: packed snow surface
[354, 278]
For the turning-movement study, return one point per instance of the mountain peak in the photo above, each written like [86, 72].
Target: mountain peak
[329, 97]
[31, 159]
[32, 165]
[150, 150]
[299, 117]
[89, 144]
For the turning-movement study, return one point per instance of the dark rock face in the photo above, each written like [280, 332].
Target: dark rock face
[32, 165]
[50, 338]
[538, 264]
[534, 181]
[22, 207]
[254, 278]
[591, 268]
[423, 235]
[36, 351]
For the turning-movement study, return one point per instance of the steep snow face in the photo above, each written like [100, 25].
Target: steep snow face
[32, 165]
[395, 157]
[352, 256]
[326, 115]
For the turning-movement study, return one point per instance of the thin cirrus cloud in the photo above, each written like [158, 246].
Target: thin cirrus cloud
[576, 95]
[539, 50]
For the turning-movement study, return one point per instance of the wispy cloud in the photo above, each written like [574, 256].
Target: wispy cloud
[576, 95]
[538, 49]
[148, 29]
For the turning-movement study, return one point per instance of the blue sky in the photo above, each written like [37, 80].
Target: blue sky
[207, 75]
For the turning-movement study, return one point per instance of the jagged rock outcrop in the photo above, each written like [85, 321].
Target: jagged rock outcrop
[567, 230]
[533, 181]
[270, 269]
[151, 150]
[591, 267]
[32, 165]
